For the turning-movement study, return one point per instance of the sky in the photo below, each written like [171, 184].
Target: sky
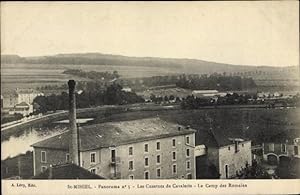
[242, 33]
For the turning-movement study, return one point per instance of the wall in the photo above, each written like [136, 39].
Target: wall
[9, 101]
[23, 111]
[277, 148]
[20, 165]
[235, 161]
[26, 97]
[52, 157]
[105, 169]
[290, 151]
[213, 156]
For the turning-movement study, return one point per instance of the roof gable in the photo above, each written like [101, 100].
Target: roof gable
[22, 104]
[220, 137]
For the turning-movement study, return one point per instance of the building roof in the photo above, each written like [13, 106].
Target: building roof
[117, 133]
[22, 104]
[67, 171]
[204, 91]
[219, 138]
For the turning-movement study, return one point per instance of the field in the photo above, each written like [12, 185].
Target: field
[30, 76]
[34, 75]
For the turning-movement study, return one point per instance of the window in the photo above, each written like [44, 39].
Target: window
[113, 155]
[187, 152]
[93, 157]
[146, 175]
[189, 176]
[174, 156]
[131, 177]
[283, 147]
[228, 147]
[296, 150]
[271, 147]
[130, 151]
[67, 157]
[146, 162]
[146, 149]
[236, 146]
[44, 168]
[188, 165]
[158, 173]
[158, 159]
[157, 145]
[131, 165]
[43, 157]
[174, 142]
[174, 169]
[187, 140]
[226, 171]
[93, 171]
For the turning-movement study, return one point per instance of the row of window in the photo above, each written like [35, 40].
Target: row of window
[158, 159]
[236, 148]
[146, 149]
[158, 174]
[187, 154]
[158, 170]
[272, 147]
[93, 156]
[283, 148]
[146, 163]
[44, 157]
[146, 146]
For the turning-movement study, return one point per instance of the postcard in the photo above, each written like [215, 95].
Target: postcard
[150, 97]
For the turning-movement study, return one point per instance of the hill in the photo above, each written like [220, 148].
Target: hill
[183, 65]
[17, 71]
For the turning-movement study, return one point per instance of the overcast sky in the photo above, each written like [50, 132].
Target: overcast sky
[251, 33]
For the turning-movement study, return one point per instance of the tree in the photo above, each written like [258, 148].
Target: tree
[152, 97]
[112, 94]
[116, 74]
[41, 101]
[166, 99]
[171, 97]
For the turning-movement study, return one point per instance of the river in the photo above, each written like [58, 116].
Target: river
[20, 142]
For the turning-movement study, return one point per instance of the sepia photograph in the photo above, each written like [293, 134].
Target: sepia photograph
[99, 92]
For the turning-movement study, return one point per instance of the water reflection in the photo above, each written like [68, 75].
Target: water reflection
[20, 143]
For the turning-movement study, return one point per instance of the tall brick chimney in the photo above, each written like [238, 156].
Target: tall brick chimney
[73, 148]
